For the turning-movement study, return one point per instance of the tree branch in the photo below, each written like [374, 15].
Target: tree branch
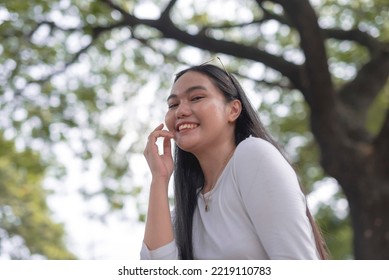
[318, 83]
[96, 33]
[55, 72]
[112, 5]
[272, 16]
[202, 41]
[52, 26]
[357, 95]
[357, 36]
[166, 13]
[229, 26]
[371, 78]
[267, 16]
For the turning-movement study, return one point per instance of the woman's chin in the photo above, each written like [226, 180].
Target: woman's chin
[187, 145]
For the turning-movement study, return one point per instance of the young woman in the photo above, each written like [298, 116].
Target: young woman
[236, 196]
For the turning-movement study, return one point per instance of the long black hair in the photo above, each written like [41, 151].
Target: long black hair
[188, 175]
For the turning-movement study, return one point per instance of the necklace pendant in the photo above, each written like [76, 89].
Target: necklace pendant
[206, 208]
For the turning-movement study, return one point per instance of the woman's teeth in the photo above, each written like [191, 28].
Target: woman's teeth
[187, 126]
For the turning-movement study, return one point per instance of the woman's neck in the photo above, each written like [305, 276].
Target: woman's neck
[213, 162]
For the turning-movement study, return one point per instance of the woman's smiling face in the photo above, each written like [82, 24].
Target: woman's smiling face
[198, 113]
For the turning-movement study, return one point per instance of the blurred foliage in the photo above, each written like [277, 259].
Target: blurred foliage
[376, 115]
[337, 232]
[69, 75]
[26, 226]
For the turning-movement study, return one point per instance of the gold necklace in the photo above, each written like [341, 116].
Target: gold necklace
[206, 200]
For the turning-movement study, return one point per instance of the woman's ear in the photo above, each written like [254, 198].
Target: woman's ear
[235, 108]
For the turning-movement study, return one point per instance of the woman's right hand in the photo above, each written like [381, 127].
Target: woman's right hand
[159, 228]
[161, 165]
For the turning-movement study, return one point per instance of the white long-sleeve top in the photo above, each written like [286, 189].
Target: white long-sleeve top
[256, 211]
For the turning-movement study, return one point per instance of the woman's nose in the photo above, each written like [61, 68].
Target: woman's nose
[183, 110]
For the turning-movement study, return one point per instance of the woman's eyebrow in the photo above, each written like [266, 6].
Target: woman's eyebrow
[187, 91]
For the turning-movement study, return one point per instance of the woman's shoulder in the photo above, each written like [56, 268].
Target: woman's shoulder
[259, 162]
[252, 146]
[257, 151]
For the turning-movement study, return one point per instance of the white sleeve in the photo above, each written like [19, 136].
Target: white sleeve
[166, 252]
[274, 201]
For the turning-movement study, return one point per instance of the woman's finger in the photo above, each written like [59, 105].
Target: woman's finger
[151, 147]
[167, 147]
[159, 127]
[158, 132]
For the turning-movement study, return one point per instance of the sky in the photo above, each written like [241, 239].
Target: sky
[90, 239]
[119, 235]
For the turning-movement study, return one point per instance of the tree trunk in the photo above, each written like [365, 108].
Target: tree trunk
[369, 210]
[362, 174]
[370, 219]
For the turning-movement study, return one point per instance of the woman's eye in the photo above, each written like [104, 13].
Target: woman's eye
[171, 106]
[197, 98]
